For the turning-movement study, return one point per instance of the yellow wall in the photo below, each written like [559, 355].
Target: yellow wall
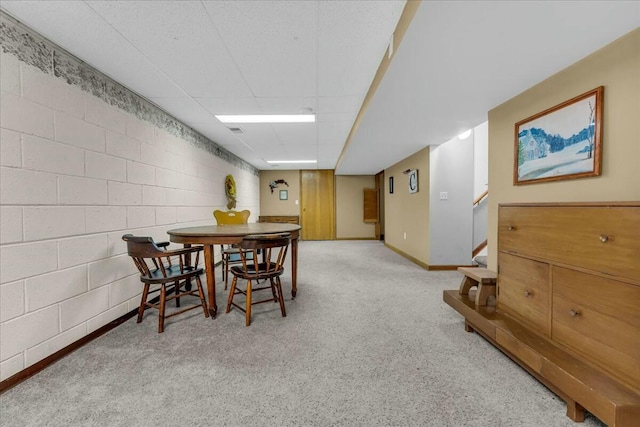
[408, 213]
[617, 68]
[270, 203]
[350, 207]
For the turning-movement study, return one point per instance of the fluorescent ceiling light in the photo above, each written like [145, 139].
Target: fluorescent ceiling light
[267, 118]
[291, 161]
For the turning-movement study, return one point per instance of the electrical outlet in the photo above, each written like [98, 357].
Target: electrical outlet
[444, 195]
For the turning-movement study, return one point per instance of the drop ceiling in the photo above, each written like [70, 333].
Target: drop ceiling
[458, 59]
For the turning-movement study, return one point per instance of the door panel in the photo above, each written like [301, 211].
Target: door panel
[317, 194]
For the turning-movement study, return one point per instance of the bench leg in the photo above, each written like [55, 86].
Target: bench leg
[467, 283]
[467, 326]
[484, 292]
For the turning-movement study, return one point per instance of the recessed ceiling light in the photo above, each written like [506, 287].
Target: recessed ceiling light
[291, 161]
[465, 134]
[267, 118]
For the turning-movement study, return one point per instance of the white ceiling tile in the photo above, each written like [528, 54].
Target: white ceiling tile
[82, 32]
[184, 109]
[293, 105]
[296, 133]
[230, 105]
[180, 39]
[274, 43]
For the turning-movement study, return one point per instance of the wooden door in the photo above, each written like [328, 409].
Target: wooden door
[318, 213]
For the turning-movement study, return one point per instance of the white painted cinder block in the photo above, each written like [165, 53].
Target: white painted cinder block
[102, 114]
[48, 289]
[108, 316]
[124, 289]
[166, 215]
[10, 148]
[117, 246]
[123, 146]
[25, 116]
[124, 194]
[83, 307]
[48, 156]
[27, 260]
[53, 221]
[141, 216]
[139, 173]
[82, 191]
[154, 196]
[11, 300]
[154, 156]
[81, 250]
[109, 270]
[50, 346]
[106, 218]
[19, 334]
[140, 130]
[175, 197]
[23, 187]
[105, 166]
[79, 133]
[10, 72]
[11, 366]
[10, 224]
[51, 92]
[168, 178]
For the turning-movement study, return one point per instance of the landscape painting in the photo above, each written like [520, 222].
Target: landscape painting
[563, 142]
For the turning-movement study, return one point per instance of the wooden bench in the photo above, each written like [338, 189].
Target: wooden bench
[485, 280]
[285, 219]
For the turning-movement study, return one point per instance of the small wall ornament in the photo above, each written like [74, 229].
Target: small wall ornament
[230, 191]
[274, 184]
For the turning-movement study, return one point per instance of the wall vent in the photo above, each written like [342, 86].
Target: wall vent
[236, 130]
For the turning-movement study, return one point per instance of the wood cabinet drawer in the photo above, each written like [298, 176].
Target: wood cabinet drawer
[599, 318]
[604, 239]
[523, 291]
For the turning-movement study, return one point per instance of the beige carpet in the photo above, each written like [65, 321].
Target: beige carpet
[367, 342]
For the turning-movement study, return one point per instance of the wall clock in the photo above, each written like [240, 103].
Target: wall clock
[413, 181]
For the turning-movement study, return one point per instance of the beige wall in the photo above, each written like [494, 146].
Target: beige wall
[408, 213]
[270, 203]
[617, 68]
[350, 207]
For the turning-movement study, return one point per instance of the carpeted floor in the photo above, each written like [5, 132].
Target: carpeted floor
[367, 342]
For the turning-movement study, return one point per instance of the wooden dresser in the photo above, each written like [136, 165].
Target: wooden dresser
[568, 303]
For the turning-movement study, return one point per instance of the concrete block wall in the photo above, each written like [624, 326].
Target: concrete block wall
[76, 174]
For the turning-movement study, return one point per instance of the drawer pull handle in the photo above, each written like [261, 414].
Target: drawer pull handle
[527, 294]
[574, 313]
[512, 227]
[604, 238]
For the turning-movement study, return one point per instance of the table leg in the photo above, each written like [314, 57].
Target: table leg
[187, 260]
[294, 267]
[209, 268]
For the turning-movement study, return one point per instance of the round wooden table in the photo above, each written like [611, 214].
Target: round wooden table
[210, 235]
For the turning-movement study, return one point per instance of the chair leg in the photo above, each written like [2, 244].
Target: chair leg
[226, 273]
[232, 292]
[273, 290]
[248, 304]
[280, 297]
[176, 287]
[163, 296]
[143, 302]
[201, 294]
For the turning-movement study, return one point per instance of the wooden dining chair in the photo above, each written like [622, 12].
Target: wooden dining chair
[230, 255]
[266, 268]
[171, 269]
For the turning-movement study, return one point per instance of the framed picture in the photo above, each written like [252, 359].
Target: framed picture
[284, 195]
[413, 181]
[390, 185]
[563, 142]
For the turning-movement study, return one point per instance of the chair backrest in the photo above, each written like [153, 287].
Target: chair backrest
[231, 217]
[273, 248]
[143, 249]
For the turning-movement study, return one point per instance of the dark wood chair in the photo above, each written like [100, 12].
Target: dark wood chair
[171, 269]
[230, 255]
[267, 268]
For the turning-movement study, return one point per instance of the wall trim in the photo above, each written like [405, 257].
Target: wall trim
[407, 256]
[355, 238]
[36, 50]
